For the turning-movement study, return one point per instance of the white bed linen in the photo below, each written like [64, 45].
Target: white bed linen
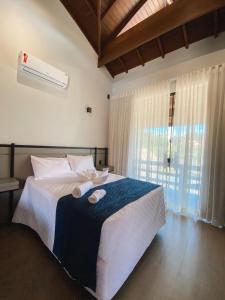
[121, 246]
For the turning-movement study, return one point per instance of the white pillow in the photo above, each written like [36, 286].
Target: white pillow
[81, 163]
[49, 167]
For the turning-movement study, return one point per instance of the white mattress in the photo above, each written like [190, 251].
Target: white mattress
[124, 238]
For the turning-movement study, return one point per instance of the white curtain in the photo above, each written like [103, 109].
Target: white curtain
[188, 141]
[139, 141]
[212, 205]
[196, 177]
[149, 134]
[119, 132]
[138, 132]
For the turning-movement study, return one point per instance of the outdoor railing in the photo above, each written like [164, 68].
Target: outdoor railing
[171, 177]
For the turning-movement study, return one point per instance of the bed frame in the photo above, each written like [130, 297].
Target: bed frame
[15, 159]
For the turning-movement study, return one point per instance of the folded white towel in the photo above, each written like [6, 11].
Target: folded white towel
[96, 177]
[101, 177]
[87, 175]
[81, 189]
[96, 196]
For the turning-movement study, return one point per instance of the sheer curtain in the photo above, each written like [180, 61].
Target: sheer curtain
[212, 205]
[139, 139]
[184, 184]
[148, 143]
[195, 184]
[119, 132]
[138, 132]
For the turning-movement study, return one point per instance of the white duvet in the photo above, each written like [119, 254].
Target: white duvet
[124, 238]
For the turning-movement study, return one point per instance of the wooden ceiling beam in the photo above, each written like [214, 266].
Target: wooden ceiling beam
[185, 35]
[159, 42]
[216, 23]
[124, 22]
[122, 62]
[140, 57]
[169, 18]
[108, 8]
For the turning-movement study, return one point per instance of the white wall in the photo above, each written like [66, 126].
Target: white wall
[205, 53]
[38, 114]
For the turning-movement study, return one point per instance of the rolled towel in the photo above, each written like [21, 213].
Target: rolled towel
[96, 196]
[81, 189]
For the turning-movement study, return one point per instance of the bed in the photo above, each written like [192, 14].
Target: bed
[121, 246]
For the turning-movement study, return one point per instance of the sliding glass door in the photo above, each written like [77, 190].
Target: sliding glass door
[185, 172]
[175, 140]
[167, 141]
[148, 148]
[184, 186]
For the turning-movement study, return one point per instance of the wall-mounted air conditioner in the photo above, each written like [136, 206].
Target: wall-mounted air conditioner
[33, 66]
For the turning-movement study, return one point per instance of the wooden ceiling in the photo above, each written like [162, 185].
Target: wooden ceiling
[129, 33]
[149, 8]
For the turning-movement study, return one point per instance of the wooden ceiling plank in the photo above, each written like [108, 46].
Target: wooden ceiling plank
[216, 23]
[159, 42]
[91, 8]
[185, 35]
[79, 22]
[167, 19]
[124, 22]
[140, 57]
[122, 62]
[108, 8]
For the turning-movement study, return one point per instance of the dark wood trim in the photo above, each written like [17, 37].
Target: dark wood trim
[107, 8]
[185, 35]
[106, 156]
[124, 22]
[12, 159]
[53, 147]
[95, 157]
[159, 42]
[173, 16]
[50, 147]
[216, 23]
[140, 57]
[122, 62]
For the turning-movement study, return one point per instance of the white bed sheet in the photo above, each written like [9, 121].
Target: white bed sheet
[121, 246]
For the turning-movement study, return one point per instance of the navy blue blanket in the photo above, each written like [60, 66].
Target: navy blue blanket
[79, 223]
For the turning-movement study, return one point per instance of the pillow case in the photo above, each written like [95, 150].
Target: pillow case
[81, 163]
[50, 167]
